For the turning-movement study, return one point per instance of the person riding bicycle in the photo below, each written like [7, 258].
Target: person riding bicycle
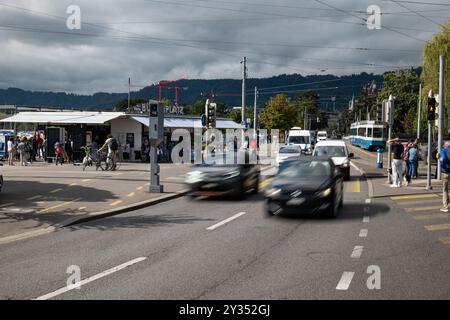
[113, 146]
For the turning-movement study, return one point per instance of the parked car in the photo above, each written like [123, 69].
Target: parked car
[337, 150]
[311, 185]
[218, 176]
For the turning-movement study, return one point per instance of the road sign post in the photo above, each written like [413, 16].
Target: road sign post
[156, 136]
[390, 120]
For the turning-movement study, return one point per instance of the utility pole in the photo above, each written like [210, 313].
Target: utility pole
[419, 111]
[254, 109]
[390, 123]
[244, 87]
[441, 107]
[304, 119]
[129, 89]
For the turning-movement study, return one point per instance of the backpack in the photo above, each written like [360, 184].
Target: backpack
[113, 145]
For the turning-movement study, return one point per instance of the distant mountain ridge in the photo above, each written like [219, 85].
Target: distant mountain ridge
[226, 90]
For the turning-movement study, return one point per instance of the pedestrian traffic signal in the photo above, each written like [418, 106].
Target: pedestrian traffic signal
[203, 117]
[431, 109]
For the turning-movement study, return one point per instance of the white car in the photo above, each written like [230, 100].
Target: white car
[288, 153]
[337, 150]
[321, 135]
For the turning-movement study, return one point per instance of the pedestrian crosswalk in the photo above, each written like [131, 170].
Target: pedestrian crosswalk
[425, 209]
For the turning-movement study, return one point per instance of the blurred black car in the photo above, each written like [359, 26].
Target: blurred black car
[306, 186]
[218, 176]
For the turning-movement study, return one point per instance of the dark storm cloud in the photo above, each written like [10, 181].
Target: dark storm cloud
[153, 40]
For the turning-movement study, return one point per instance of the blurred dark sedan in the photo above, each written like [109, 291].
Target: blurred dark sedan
[215, 177]
[306, 186]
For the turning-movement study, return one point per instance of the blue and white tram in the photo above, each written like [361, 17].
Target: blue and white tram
[369, 135]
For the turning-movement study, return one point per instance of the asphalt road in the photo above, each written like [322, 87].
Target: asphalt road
[223, 249]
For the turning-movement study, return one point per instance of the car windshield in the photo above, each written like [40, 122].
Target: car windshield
[298, 139]
[330, 151]
[289, 150]
[305, 169]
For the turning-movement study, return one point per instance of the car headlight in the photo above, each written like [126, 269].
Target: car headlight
[272, 192]
[194, 177]
[231, 174]
[325, 193]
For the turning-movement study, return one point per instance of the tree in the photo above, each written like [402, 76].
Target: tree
[438, 45]
[280, 113]
[404, 86]
[310, 101]
[122, 104]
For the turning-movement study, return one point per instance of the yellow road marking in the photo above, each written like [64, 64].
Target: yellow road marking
[421, 201]
[445, 240]
[82, 208]
[7, 204]
[415, 196]
[56, 190]
[139, 188]
[438, 227]
[73, 184]
[59, 205]
[264, 183]
[431, 216]
[353, 186]
[34, 198]
[86, 180]
[131, 194]
[115, 203]
[423, 208]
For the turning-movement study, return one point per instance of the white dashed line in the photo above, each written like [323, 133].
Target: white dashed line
[357, 252]
[217, 225]
[345, 281]
[366, 219]
[363, 233]
[368, 201]
[90, 279]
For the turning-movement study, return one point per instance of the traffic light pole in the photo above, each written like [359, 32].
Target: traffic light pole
[419, 111]
[429, 187]
[441, 108]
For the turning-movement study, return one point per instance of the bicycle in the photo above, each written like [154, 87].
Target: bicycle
[105, 162]
[91, 158]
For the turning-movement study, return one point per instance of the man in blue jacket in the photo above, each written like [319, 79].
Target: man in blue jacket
[444, 160]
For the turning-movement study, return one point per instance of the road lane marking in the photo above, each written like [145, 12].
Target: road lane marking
[86, 180]
[415, 196]
[445, 240]
[353, 186]
[90, 279]
[56, 190]
[264, 183]
[131, 194]
[115, 203]
[140, 188]
[357, 252]
[431, 216]
[7, 204]
[366, 219]
[421, 201]
[438, 227]
[73, 184]
[368, 201]
[217, 225]
[356, 168]
[34, 198]
[345, 281]
[422, 208]
[82, 208]
[363, 233]
[58, 205]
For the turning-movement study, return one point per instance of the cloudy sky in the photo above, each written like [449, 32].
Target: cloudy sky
[150, 40]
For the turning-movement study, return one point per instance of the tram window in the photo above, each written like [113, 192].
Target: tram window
[369, 132]
[362, 132]
[377, 132]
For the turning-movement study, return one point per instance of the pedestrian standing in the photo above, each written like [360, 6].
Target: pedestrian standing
[413, 156]
[22, 147]
[397, 150]
[11, 151]
[444, 162]
[126, 151]
[416, 168]
[407, 164]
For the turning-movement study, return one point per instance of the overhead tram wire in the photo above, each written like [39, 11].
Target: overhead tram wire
[418, 14]
[424, 3]
[365, 20]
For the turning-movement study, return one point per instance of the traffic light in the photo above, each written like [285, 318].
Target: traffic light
[431, 109]
[211, 115]
[379, 112]
[203, 120]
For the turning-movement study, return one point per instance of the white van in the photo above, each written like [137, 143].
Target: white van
[321, 136]
[300, 138]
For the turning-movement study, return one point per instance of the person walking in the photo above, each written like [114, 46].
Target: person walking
[22, 148]
[413, 156]
[407, 164]
[11, 151]
[444, 162]
[397, 167]
[416, 168]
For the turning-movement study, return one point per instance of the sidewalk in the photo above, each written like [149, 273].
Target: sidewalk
[378, 179]
[43, 195]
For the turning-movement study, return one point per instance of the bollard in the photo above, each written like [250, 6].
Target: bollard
[380, 158]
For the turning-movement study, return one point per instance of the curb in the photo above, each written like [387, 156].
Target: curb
[112, 212]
